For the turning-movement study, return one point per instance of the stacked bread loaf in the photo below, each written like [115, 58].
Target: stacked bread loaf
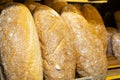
[47, 44]
[89, 46]
[19, 44]
[58, 53]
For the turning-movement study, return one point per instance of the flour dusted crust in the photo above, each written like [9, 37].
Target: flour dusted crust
[72, 8]
[19, 44]
[94, 18]
[116, 45]
[91, 59]
[58, 54]
[110, 32]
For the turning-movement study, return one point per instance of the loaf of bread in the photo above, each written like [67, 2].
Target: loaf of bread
[71, 8]
[94, 18]
[110, 32]
[57, 5]
[59, 60]
[91, 59]
[116, 45]
[19, 44]
[117, 19]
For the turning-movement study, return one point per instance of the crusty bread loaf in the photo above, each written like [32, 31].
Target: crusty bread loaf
[110, 32]
[71, 8]
[94, 18]
[116, 45]
[58, 55]
[19, 44]
[91, 59]
[117, 19]
[57, 5]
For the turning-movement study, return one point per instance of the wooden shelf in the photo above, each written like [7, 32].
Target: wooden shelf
[113, 62]
[113, 68]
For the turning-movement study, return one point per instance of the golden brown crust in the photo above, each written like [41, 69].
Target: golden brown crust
[91, 14]
[94, 18]
[89, 47]
[78, 6]
[58, 55]
[57, 5]
[71, 8]
[20, 51]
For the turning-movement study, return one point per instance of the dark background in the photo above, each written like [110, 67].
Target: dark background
[107, 11]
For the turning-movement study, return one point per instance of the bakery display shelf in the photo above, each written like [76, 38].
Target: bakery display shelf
[86, 1]
[113, 68]
[113, 62]
[113, 74]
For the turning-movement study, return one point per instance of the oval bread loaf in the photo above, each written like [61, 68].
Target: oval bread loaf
[90, 50]
[58, 54]
[19, 44]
